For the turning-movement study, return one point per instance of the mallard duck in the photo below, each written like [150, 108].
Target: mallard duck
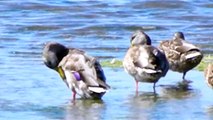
[81, 73]
[144, 62]
[208, 73]
[182, 56]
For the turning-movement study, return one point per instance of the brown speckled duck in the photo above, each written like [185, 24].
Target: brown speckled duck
[144, 62]
[182, 56]
[81, 73]
[208, 73]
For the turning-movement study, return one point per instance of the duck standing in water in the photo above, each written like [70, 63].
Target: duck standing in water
[208, 73]
[81, 73]
[143, 61]
[182, 56]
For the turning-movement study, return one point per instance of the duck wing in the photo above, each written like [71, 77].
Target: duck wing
[153, 59]
[87, 66]
[130, 60]
[139, 58]
[97, 83]
[185, 47]
[145, 58]
[100, 75]
[175, 48]
[161, 60]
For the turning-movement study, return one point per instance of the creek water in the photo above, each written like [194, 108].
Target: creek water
[29, 90]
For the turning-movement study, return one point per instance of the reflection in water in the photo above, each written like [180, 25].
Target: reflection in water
[180, 90]
[85, 110]
[173, 92]
[53, 112]
[140, 106]
[147, 97]
[209, 111]
[81, 110]
[148, 105]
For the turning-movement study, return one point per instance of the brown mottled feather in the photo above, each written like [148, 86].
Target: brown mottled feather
[208, 73]
[182, 56]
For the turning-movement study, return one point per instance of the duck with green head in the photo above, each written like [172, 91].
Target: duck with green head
[81, 73]
[182, 55]
[144, 62]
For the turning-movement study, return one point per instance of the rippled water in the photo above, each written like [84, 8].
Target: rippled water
[29, 90]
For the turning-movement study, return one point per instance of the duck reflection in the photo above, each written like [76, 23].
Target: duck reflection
[81, 110]
[209, 111]
[180, 90]
[141, 105]
[85, 109]
[147, 96]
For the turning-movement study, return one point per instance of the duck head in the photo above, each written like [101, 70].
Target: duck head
[53, 53]
[179, 35]
[140, 38]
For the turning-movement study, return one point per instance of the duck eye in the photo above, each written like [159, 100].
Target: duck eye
[48, 63]
[133, 37]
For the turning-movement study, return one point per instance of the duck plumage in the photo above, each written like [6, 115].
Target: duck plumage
[81, 73]
[182, 55]
[143, 61]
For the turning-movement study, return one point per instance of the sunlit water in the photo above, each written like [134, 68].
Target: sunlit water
[29, 90]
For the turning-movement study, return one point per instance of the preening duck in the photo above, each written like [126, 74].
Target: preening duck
[81, 73]
[182, 55]
[144, 62]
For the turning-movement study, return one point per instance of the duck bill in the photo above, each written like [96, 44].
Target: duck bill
[61, 72]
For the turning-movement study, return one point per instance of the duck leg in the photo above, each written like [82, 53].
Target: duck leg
[154, 88]
[73, 95]
[136, 85]
[184, 80]
[184, 73]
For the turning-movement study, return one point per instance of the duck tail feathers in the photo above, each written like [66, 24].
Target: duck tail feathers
[193, 55]
[96, 89]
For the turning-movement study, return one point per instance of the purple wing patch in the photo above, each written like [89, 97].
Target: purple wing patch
[77, 75]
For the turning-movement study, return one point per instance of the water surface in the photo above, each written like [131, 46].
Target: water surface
[29, 90]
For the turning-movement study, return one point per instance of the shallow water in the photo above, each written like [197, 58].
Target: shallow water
[29, 90]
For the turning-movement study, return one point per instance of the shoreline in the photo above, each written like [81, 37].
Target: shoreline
[116, 63]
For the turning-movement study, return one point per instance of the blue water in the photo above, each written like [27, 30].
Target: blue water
[29, 90]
